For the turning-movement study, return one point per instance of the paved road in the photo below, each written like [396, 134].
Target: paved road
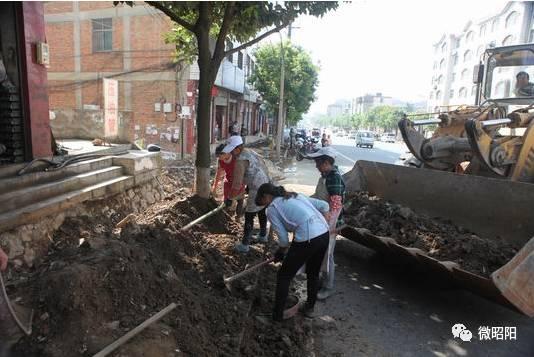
[382, 309]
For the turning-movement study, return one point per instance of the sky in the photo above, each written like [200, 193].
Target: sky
[371, 46]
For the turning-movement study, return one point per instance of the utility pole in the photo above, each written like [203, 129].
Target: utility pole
[281, 111]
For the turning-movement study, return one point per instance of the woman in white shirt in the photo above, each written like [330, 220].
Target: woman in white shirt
[304, 216]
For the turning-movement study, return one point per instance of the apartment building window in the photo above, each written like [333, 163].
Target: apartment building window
[508, 40]
[102, 35]
[442, 64]
[474, 90]
[247, 64]
[468, 56]
[453, 77]
[443, 47]
[464, 74]
[480, 49]
[483, 30]
[229, 46]
[240, 60]
[511, 19]
[440, 80]
[455, 59]
[451, 93]
[431, 95]
[470, 36]
[438, 95]
[494, 25]
[462, 93]
[531, 36]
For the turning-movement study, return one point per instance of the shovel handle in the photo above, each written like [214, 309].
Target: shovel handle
[248, 271]
[201, 218]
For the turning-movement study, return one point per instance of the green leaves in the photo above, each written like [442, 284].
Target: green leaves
[301, 78]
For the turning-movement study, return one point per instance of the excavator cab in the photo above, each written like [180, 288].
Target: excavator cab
[486, 138]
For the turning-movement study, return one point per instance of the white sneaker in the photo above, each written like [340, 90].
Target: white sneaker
[324, 293]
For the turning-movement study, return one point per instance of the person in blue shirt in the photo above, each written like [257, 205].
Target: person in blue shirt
[305, 217]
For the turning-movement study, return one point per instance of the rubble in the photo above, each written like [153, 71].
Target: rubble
[98, 281]
[440, 238]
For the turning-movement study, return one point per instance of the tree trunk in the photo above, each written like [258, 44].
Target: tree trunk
[205, 82]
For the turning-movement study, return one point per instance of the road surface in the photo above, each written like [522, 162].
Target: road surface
[381, 309]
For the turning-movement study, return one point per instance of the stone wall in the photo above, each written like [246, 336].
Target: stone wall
[29, 242]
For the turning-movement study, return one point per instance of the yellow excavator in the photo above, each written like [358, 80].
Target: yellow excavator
[492, 137]
[477, 170]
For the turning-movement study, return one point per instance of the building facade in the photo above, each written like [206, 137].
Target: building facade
[157, 97]
[455, 55]
[340, 107]
[363, 104]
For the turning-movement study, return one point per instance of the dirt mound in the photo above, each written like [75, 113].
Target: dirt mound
[98, 282]
[439, 238]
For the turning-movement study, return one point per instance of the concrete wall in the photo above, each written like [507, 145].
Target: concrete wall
[86, 124]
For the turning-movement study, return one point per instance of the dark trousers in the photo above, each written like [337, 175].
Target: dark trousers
[312, 253]
[249, 225]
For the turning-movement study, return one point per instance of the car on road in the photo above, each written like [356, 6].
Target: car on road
[316, 133]
[388, 138]
[365, 138]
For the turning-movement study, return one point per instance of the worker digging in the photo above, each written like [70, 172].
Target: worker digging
[237, 179]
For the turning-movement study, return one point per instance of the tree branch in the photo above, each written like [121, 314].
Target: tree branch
[158, 5]
[225, 26]
[256, 40]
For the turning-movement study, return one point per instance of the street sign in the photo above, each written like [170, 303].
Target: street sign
[111, 107]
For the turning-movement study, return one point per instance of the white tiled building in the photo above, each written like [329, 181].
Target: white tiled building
[455, 55]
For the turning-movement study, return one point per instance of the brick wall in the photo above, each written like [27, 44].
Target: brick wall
[61, 94]
[60, 39]
[148, 53]
[56, 7]
[101, 61]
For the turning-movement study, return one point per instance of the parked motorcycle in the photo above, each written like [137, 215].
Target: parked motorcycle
[305, 146]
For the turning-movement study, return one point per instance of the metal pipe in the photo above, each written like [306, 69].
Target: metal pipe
[494, 122]
[426, 122]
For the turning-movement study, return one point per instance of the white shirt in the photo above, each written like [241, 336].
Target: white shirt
[301, 215]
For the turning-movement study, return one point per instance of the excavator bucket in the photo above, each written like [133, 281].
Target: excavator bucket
[496, 208]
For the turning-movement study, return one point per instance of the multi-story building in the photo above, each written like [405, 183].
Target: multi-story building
[340, 107]
[455, 55]
[363, 104]
[93, 41]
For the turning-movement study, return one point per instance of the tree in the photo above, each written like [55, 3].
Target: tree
[203, 31]
[384, 116]
[301, 78]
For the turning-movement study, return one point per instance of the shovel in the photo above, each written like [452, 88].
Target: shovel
[245, 272]
[202, 218]
[10, 324]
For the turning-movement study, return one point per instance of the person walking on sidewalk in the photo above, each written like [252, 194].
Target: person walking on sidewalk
[330, 188]
[250, 170]
[292, 212]
[225, 173]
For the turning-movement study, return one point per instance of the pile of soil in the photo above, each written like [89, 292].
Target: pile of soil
[440, 238]
[99, 281]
